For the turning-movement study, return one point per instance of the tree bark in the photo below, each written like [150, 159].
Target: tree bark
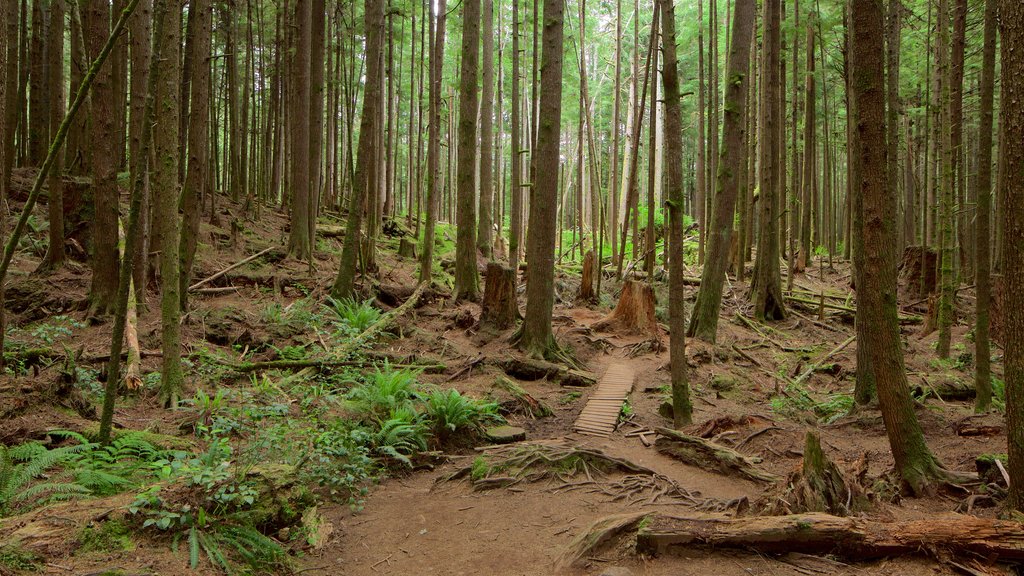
[983, 230]
[499, 309]
[704, 321]
[467, 281]
[299, 241]
[484, 231]
[104, 169]
[877, 292]
[536, 337]
[766, 285]
[55, 67]
[1012, 198]
[198, 140]
[368, 123]
[436, 24]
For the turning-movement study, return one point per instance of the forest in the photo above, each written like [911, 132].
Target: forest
[581, 287]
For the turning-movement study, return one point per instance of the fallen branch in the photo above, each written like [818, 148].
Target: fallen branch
[224, 271]
[710, 456]
[817, 364]
[383, 322]
[850, 537]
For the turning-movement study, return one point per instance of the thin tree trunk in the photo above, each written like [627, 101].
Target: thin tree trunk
[467, 280]
[484, 228]
[983, 230]
[55, 68]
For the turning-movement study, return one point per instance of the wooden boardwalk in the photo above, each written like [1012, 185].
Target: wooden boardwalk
[599, 416]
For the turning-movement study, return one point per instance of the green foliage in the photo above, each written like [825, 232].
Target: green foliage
[354, 316]
[123, 464]
[12, 557]
[339, 460]
[386, 391]
[481, 468]
[400, 436]
[53, 329]
[570, 397]
[23, 484]
[450, 412]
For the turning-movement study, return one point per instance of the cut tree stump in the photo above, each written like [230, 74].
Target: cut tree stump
[529, 369]
[850, 537]
[407, 248]
[710, 456]
[587, 277]
[499, 309]
[915, 260]
[634, 314]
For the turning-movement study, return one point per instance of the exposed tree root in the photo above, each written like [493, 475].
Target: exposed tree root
[819, 485]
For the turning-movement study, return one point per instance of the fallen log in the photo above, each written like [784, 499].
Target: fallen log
[946, 388]
[133, 366]
[710, 456]
[850, 537]
[529, 369]
[224, 271]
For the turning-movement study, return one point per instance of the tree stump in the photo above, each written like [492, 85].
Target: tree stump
[634, 314]
[918, 260]
[499, 309]
[407, 248]
[818, 486]
[587, 278]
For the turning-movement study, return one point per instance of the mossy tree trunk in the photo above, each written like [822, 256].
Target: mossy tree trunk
[367, 153]
[165, 188]
[536, 337]
[704, 321]
[983, 193]
[877, 289]
[682, 408]
[766, 284]
[436, 25]
[467, 281]
[197, 174]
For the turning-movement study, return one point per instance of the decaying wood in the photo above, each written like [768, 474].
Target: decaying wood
[597, 534]
[849, 537]
[917, 260]
[382, 323]
[407, 248]
[587, 277]
[530, 369]
[818, 486]
[224, 271]
[133, 366]
[943, 387]
[525, 402]
[710, 456]
[634, 313]
[807, 373]
[499, 309]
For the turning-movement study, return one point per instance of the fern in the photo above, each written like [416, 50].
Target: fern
[400, 437]
[451, 412]
[387, 391]
[21, 466]
[356, 316]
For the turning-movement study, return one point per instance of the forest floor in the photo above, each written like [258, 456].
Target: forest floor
[413, 521]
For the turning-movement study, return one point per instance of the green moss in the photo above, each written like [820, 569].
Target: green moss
[109, 535]
[14, 558]
[724, 382]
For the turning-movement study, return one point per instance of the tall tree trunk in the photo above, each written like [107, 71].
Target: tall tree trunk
[704, 321]
[484, 232]
[55, 68]
[104, 168]
[141, 30]
[983, 193]
[39, 90]
[198, 139]
[946, 179]
[368, 123]
[810, 151]
[437, 28]
[535, 336]
[299, 241]
[516, 204]
[702, 171]
[877, 293]
[165, 188]
[766, 285]
[467, 281]
[316, 120]
[1011, 28]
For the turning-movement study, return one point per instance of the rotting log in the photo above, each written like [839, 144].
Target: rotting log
[224, 271]
[849, 537]
[530, 369]
[499, 309]
[710, 456]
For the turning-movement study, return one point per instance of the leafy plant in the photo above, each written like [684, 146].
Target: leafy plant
[401, 436]
[450, 412]
[354, 316]
[14, 558]
[20, 468]
[386, 391]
